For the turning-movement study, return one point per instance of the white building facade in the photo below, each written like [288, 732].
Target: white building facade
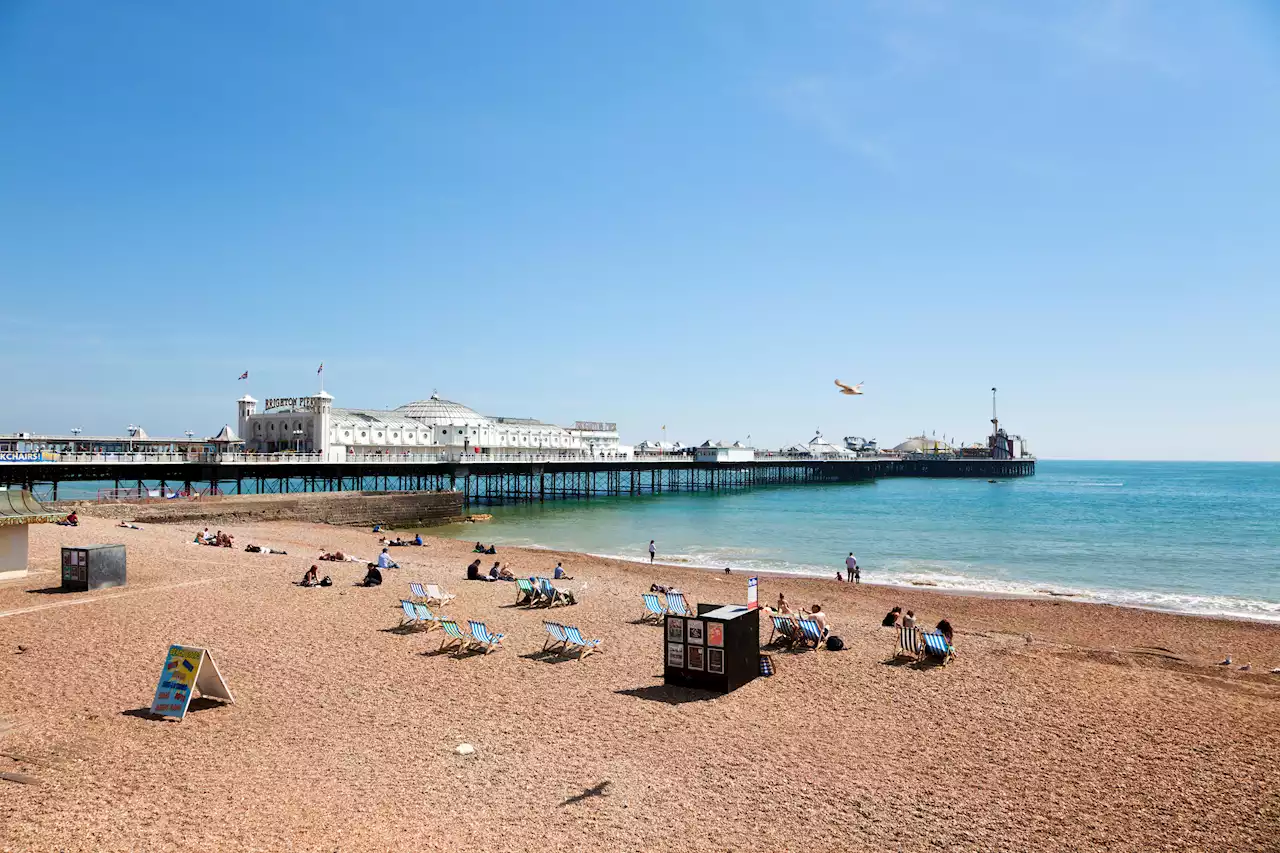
[431, 426]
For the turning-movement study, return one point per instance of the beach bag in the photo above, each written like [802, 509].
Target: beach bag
[835, 644]
[326, 581]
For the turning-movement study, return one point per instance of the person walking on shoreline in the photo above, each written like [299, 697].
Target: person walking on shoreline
[854, 574]
[652, 550]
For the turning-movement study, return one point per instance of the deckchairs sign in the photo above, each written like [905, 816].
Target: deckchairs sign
[187, 668]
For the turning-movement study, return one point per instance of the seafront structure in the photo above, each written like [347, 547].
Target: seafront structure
[313, 425]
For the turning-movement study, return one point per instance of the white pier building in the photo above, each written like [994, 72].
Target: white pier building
[431, 426]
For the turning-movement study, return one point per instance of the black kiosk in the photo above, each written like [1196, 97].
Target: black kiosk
[718, 650]
[89, 567]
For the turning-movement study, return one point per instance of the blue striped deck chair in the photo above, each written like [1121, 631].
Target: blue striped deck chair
[453, 634]
[482, 637]
[908, 642]
[549, 593]
[426, 618]
[410, 617]
[810, 634]
[416, 590]
[653, 607]
[676, 604]
[936, 645]
[785, 630]
[575, 638]
[555, 636]
[525, 593]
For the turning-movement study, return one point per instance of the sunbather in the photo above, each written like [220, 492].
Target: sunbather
[816, 615]
[944, 628]
[909, 621]
[891, 618]
[505, 574]
[129, 526]
[783, 607]
[560, 575]
[373, 577]
[312, 577]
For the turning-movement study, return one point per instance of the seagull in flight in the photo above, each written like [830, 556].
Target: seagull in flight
[846, 389]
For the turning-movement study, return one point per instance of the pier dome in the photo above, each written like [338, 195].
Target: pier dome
[922, 444]
[434, 410]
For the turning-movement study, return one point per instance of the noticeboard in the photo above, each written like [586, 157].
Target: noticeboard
[187, 669]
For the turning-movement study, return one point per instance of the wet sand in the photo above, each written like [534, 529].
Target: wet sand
[1059, 725]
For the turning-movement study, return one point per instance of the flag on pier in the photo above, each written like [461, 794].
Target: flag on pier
[320, 369]
[244, 375]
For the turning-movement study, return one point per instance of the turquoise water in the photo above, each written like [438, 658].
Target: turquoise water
[1194, 537]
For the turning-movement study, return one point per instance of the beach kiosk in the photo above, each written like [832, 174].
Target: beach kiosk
[86, 567]
[719, 649]
[17, 510]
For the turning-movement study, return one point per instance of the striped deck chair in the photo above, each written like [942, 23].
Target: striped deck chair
[555, 636]
[482, 637]
[453, 633]
[525, 593]
[550, 595]
[936, 645]
[416, 590]
[908, 642]
[437, 595]
[676, 604]
[575, 638]
[653, 607]
[410, 617]
[810, 634]
[426, 618]
[785, 631]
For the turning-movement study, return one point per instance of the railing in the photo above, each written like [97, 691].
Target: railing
[455, 457]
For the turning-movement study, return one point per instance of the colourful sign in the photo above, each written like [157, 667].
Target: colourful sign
[187, 668]
[753, 593]
[28, 456]
[715, 634]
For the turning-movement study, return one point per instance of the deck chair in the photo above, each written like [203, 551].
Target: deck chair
[437, 595]
[525, 593]
[416, 590]
[908, 642]
[583, 645]
[555, 636]
[482, 637]
[410, 617]
[810, 634]
[453, 633]
[653, 607]
[426, 618]
[676, 604]
[550, 595]
[936, 645]
[785, 631]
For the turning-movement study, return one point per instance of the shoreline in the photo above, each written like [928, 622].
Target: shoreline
[1072, 597]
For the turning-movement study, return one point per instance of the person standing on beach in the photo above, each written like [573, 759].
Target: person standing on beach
[851, 564]
[652, 550]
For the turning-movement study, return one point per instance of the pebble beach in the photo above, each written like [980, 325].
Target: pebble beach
[1059, 725]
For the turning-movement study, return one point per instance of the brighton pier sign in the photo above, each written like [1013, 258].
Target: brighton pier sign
[287, 403]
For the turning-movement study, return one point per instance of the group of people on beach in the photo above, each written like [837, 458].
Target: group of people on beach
[814, 613]
[416, 540]
[218, 540]
[895, 618]
[852, 574]
[72, 520]
[482, 549]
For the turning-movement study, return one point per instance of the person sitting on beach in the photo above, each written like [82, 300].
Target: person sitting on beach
[479, 549]
[891, 618]
[559, 574]
[373, 577]
[473, 571]
[506, 574]
[492, 549]
[909, 621]
[783, 607]
[657, 587]
[417, 540]
[495, 571]
[72, 520]
[839, 577]
[205, 537]
[944, 628]
[385, 562]
[377, 528]
[816, 615]
[311, 578]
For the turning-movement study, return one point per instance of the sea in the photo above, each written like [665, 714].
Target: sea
[1191, 537]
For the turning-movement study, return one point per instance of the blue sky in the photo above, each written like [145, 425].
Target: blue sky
[692, 214]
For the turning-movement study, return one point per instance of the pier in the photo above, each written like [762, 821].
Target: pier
[481, 479]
